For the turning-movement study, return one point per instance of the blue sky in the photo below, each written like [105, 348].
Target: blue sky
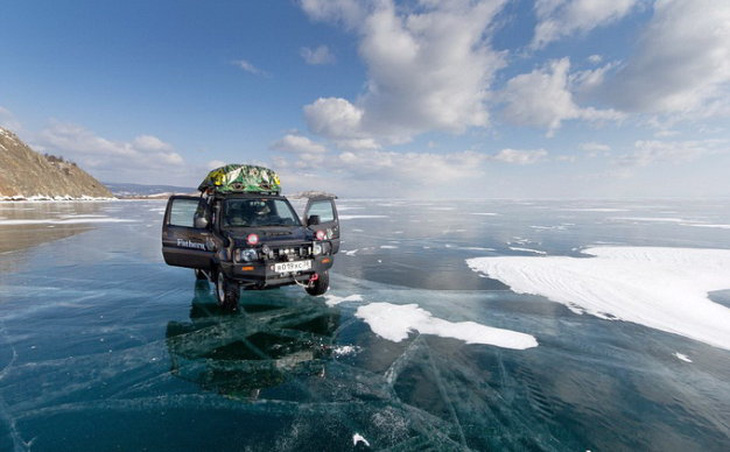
[418, 98]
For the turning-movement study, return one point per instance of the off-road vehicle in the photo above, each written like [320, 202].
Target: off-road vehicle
[241, 233]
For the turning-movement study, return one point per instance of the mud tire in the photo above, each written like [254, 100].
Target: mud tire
[227, 292]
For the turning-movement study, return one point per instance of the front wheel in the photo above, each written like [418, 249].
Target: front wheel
[227, 292]
[320, 285]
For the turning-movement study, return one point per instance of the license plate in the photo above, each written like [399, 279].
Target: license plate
[296, 266]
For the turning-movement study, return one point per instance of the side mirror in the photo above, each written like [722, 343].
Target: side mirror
[201, 223]
[313, 220]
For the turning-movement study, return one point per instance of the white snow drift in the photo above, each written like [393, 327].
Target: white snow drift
[394, 322]
[662, 288]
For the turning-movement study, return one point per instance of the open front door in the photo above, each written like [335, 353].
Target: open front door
[323, 209]
[187, 239]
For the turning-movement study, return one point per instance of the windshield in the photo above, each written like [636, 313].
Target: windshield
[258, 212]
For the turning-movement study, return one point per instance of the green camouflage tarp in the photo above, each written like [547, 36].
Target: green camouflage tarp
[241, 178]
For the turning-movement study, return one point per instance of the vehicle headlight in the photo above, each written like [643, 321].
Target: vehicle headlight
[248, 255]
[316, 249]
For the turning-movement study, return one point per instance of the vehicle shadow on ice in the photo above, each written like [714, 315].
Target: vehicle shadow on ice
[282, 356]
[262, 346]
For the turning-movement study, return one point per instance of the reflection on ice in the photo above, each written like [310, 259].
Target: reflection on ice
[238, 355]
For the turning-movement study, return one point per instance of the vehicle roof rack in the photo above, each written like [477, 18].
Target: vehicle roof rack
[240, 178]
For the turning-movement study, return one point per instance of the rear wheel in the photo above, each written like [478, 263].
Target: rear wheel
[320, 285]
[227, 292]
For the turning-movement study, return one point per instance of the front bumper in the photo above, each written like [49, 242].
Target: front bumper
[261, 274]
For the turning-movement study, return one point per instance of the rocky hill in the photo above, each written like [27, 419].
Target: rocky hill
[25, 173]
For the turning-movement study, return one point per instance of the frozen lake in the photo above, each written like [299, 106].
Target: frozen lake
[449, 325]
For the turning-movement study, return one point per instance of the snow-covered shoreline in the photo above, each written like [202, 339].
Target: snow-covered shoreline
[43, 198]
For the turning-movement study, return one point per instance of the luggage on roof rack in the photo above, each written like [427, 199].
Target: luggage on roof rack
[237, 178]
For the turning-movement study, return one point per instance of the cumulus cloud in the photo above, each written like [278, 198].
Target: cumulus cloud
[560, 18]
[543, 99]
[429, 68]
[682, 64]
[334, 118]
[518, 157]
[320, 55]
[99, 155]
[250, 68]
[298, 144]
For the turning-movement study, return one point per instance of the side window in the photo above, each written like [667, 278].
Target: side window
[323, 209]
[182, 212]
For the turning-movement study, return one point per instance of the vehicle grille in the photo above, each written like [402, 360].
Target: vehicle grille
[289, 253]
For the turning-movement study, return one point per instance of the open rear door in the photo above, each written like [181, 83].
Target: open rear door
[325, 208]
[186, 235]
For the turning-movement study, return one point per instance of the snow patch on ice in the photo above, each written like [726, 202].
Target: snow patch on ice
[358, 217]
[394, 322]
[652, 219]
[701, 225]
[596, 209]
[346, 350]
[682, 357]
[661, 288]
[72, 220]
[334, 300]
[357, 438]
[527, 250]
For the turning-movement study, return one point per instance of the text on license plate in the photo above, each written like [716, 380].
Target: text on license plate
[296, 266]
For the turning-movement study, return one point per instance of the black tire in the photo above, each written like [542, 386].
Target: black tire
[320, 286]
[227, 293]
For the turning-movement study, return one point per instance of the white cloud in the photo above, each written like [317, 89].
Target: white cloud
[250, 68]
[595, 59]
[150, 143]
[143, 154]
[213, 164]
[647, 152]
[8, 120]
[561, 18]
[334, 118]
[682, 64]
[429, 68]
[592, 146]
[519, 157]
[543, 99]
[318, 56]
[349, 13]
[298, 144]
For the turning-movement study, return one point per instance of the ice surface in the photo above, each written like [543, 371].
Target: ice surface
[358, 217]
[662, 288]
[73, 220]
[99, 338]
[394, 322]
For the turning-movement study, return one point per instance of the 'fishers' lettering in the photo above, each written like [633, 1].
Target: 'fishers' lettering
[190, 244]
